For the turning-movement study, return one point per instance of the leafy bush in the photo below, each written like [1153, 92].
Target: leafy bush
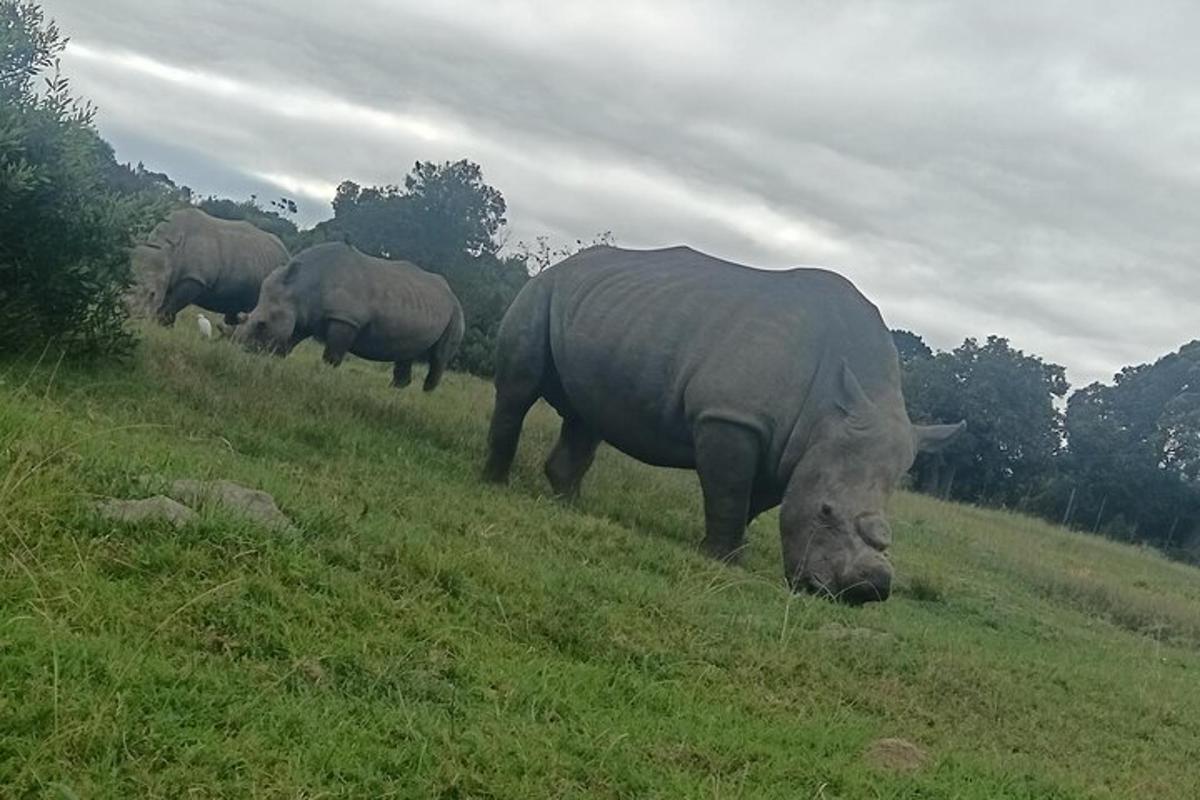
[65, 226]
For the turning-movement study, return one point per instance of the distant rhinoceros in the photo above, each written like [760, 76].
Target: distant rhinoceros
[377, 309]
[192, 258]
[776, 386]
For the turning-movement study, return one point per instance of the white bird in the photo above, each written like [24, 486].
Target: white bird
[205, 326]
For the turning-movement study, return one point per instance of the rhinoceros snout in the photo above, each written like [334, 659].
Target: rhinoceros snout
[868, 580]
[872, 586]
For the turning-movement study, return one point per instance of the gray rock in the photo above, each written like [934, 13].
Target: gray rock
[252, 504]
[151, 508]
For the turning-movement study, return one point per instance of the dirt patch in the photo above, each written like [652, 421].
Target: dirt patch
[896, 755]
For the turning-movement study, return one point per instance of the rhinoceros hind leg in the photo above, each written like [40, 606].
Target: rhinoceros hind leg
[571, 457]
[402, 374]
[339, 338]
[512, 404]
[442, 352]
[727, 457]
[437, 367]
[522, 368]
[178, 297]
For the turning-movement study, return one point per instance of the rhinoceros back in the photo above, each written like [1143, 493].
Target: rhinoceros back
[645, 343]
[230, 258]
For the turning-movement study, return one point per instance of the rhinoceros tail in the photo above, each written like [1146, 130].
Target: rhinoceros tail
[442, 352]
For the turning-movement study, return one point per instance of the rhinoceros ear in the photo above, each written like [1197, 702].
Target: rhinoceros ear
[852, 400]
[290, 272]
[932, 438]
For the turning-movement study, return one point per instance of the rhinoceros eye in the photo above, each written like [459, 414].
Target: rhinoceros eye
[826, 511]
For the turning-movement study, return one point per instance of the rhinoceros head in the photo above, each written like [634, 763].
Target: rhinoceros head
[271, 326]
[834, 534]
[150, 273]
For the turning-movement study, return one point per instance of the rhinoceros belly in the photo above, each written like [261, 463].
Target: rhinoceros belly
[393, 341]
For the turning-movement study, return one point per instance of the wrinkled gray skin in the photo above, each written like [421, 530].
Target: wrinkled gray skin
[374, 308]
[192, 258]
[776, 386]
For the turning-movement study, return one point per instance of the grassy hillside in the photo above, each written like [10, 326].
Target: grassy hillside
[424, 636]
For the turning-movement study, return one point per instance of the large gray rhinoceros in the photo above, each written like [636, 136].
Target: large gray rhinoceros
[377, 309]
[193, 258]
[775, 386]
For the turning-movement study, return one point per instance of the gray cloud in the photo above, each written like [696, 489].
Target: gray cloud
[974, 169]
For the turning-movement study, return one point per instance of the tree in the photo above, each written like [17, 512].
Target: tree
[66, 217]
[1133, 455]
[1013, 430]
[910, 346]
[443, 212]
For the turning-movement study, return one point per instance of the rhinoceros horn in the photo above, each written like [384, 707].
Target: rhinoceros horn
[932, 438]
[860, 412]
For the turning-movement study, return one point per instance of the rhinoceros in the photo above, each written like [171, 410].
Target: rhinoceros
[377, 309]
[775, 386]
[193, 258]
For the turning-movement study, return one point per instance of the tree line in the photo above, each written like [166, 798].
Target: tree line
[1121, 459]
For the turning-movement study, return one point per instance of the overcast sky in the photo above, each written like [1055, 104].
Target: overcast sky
[974, 169]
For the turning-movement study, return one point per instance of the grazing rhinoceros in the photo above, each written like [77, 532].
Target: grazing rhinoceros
[193, 258]
[775, 386]
[377, 309]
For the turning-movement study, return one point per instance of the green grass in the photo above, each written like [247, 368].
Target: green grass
[427, 636]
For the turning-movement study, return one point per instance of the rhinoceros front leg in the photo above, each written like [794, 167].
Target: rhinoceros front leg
[339, 338]
[571, 457]
[178, 297]
[727, 459]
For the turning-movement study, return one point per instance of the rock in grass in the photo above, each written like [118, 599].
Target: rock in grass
[252, 504]
[896, 755]
[151, 508]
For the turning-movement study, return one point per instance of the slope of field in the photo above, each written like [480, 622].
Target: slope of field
[425, 636]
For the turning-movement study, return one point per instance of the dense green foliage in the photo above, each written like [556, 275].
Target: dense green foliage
[1123, 460]
[1133, 462]
[443, 213]
[68, 211]
[910, 347]
[1013, 428]
[423, 635]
